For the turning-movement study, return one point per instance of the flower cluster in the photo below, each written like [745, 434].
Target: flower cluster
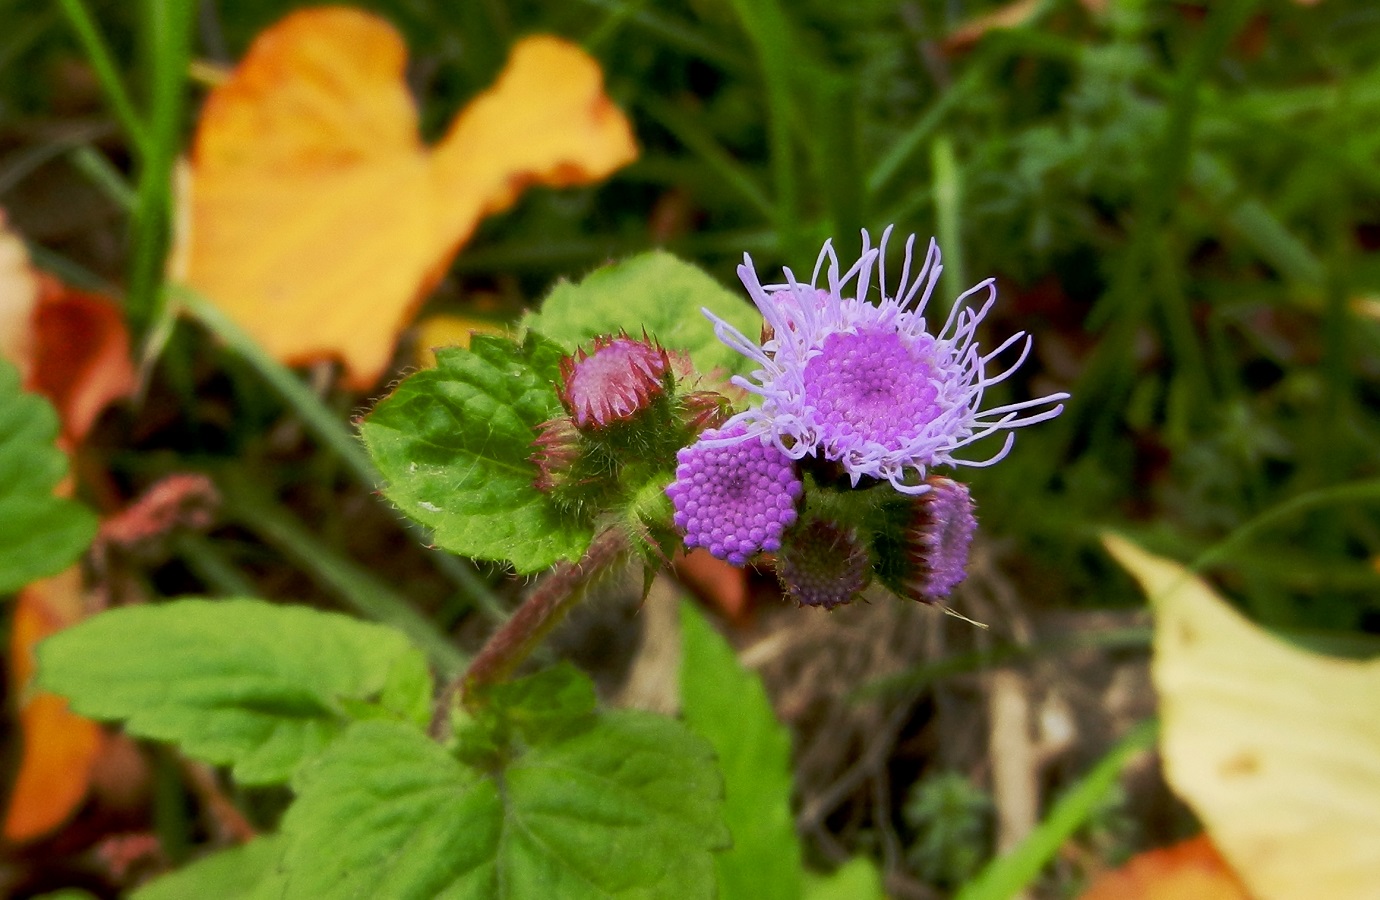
[873, 391]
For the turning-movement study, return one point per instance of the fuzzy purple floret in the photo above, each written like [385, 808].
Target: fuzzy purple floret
[939, 539]
[871, 386]
[734, 498]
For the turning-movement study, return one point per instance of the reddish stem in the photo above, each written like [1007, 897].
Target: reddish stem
[544, 608]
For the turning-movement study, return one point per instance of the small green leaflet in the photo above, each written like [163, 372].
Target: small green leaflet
[655, 291]
[453, 443]
[40, 534]
[245, 683]
[726, 704]
[232, 874]
[620, 805]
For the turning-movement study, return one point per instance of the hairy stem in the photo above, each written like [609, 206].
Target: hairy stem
[544, 608]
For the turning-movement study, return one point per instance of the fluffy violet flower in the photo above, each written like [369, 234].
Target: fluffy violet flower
[938, 539]
[734, 497]
[872, 386]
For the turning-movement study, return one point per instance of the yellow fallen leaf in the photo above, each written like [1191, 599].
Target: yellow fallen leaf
[449, 331]
[18, 296]
[1275, 748]
[59, 746]
[319, 219]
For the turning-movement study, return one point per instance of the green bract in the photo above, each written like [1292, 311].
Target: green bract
[235, 682]
[454, 444]
[40, 534]
[653, 291]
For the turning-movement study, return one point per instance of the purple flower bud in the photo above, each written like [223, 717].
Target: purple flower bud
[937, 540]
[618, 378]
[734, 499]
[822, 564]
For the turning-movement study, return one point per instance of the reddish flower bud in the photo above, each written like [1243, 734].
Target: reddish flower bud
[617, 379]
[555, 452]
[699, 410]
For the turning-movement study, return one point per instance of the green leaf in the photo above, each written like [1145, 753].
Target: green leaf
[626, 807]
[454, 441]
[857, 879]
[655, 291]
[726, 704]
[545, 705]
[233, 874]
[239, 682]
[40, 534]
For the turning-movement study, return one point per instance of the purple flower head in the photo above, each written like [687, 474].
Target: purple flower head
[734, 497]
[871, 386]
[614, 381]
[937, 540]
[823, 564]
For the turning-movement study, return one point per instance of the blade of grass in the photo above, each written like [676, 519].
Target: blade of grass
[1279, 248]
[833, 147]
[352, 584]
[326, 427]
[1365, 491]
[169, 36]
[93, 164]
[207, 562]
[915, 137]
[681, 35]
[1009, 875]
[778, 54]
[1098, 397]
[319, 420]
[98, 54]
[948, 205]
[703, 144]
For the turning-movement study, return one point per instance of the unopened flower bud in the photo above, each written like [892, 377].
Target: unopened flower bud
[555, 452]
[937, 540]
[822, 564]
[616, 379]
[699, 410]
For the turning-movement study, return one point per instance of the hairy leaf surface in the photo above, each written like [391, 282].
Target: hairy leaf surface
[40, 534]
[245, 683]
[453, 443]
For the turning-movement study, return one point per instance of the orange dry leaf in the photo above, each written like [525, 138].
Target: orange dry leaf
[81, 357]
[59, 747]
[70, 346]
[1191, 870]
[320, 220]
